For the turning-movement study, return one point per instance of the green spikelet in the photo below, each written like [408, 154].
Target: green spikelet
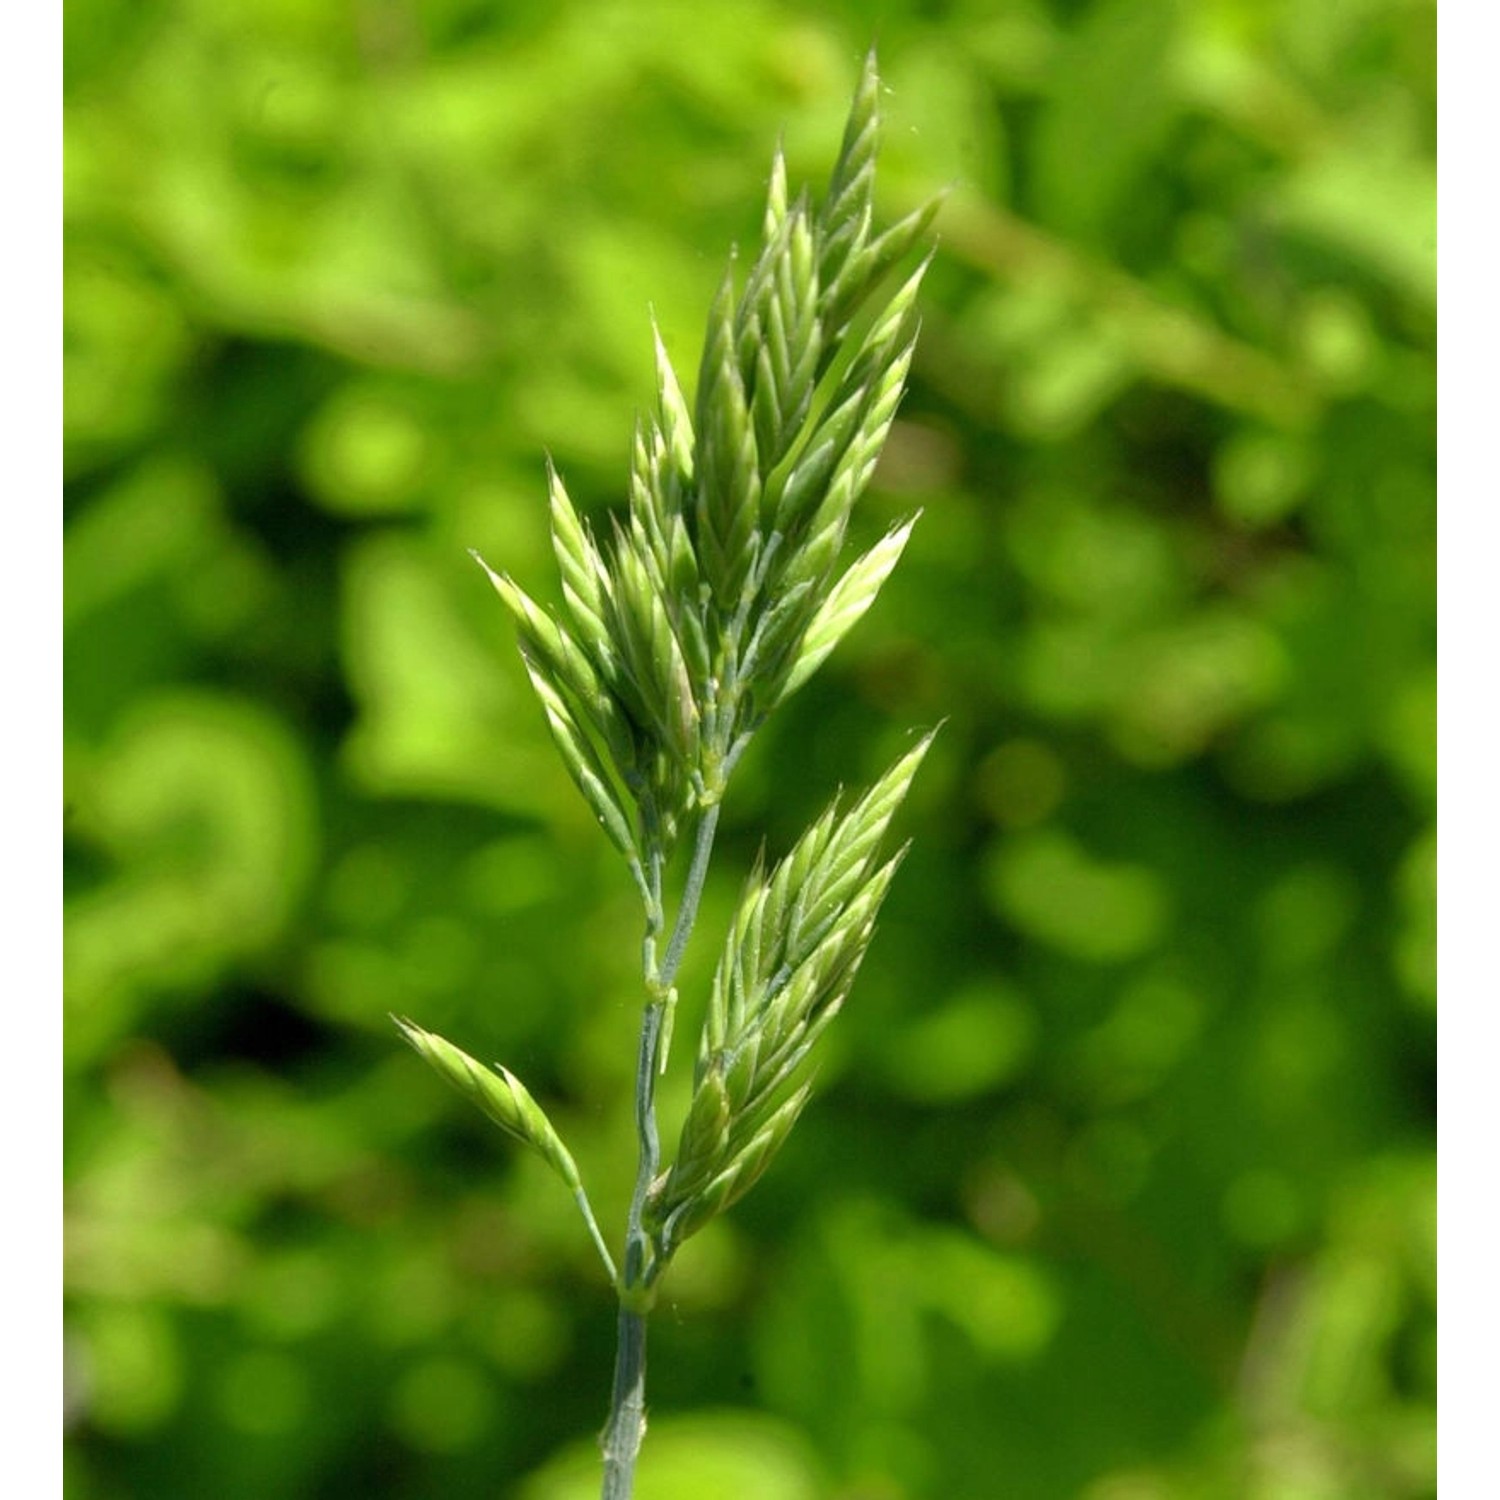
[728, 474]
[849, 207]
[498, 1093]
[845, 605]
[793, 950]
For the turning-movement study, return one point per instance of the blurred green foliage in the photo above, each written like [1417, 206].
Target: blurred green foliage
[1120, 1181]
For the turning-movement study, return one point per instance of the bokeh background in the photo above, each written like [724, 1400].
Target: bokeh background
[1120, 1183]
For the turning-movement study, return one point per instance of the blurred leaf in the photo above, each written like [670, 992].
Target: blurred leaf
[439, 716]
[1383, 214]
[1106, 112]
[1087, 908]
[204, 806]
[979, 1040]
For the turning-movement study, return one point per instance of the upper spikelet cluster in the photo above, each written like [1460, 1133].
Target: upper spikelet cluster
[721, 590]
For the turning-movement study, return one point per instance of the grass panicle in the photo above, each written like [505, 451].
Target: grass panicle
[719, 591]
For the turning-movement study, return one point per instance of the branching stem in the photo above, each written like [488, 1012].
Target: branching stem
[627, 1412]
[692, 893]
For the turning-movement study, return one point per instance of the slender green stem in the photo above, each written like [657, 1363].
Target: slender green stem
[627, 1405]
[586, 1208]
[637, 1241]
[627, 1410]
[692, 893]
[627, 1415]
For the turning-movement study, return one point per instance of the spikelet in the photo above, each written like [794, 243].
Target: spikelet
[794, 947]
[498, 1093]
